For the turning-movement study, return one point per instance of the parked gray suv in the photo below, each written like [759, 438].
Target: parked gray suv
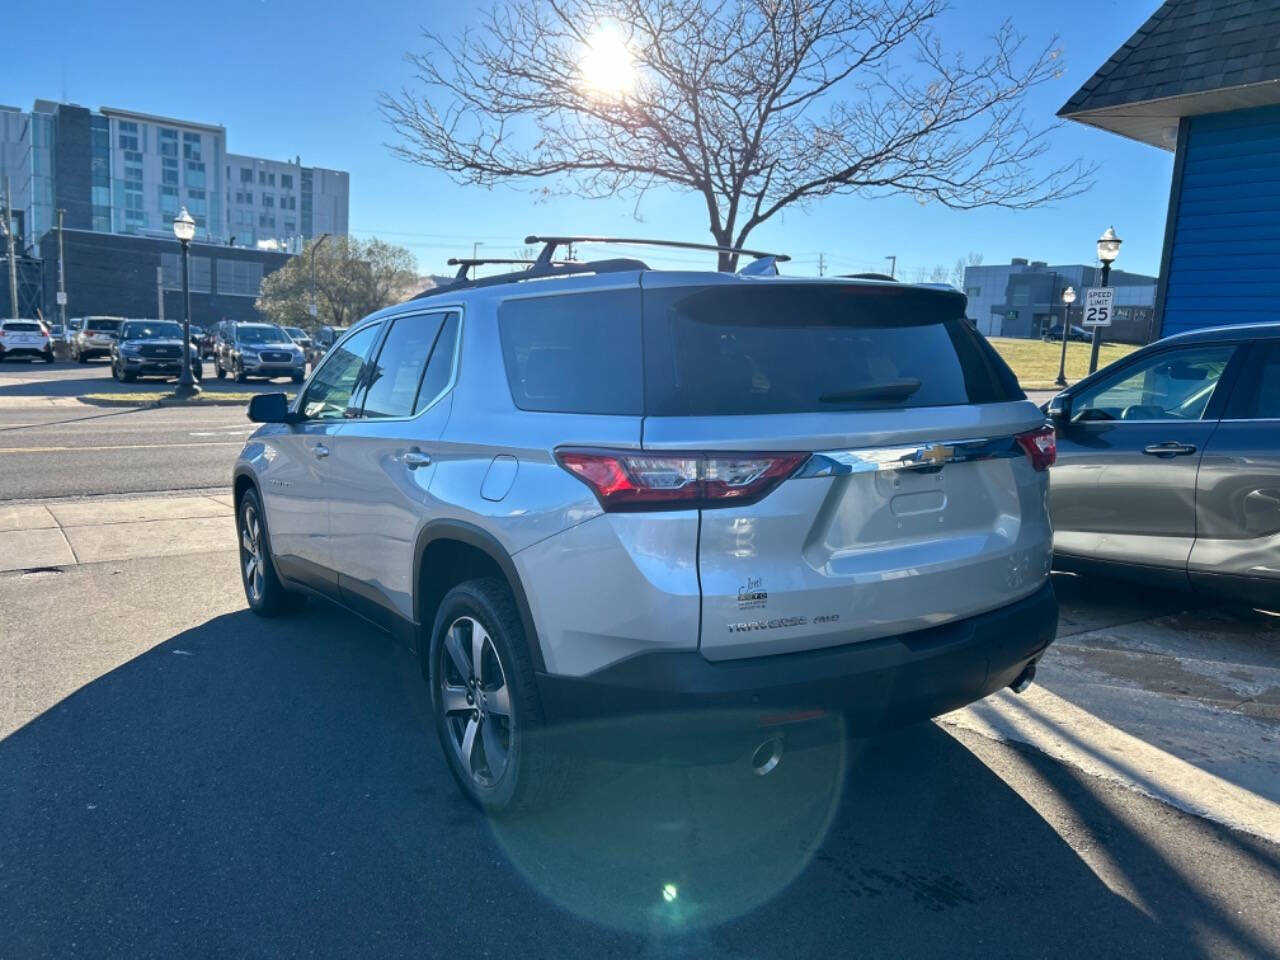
[586, 491]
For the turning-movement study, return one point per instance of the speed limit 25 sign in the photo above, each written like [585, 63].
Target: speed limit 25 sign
[1097, 306]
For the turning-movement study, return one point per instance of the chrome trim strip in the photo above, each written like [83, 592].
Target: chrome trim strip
[923, 456]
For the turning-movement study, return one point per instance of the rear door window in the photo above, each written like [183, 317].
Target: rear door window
[440, 367]
[574, 353]
[392, 382]
[799, 348]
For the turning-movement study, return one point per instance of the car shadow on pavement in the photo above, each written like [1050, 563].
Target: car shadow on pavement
[45, 380]
[269, 788]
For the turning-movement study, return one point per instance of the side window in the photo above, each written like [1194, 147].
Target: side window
[392, 381]
[1170, 385]
[332, 384]
[1259, 392]
[440, 366]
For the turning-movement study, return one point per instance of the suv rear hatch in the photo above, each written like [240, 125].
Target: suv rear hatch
[918, 495]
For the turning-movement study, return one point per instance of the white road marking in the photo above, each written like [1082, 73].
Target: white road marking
[1068, 733]
[122, 446]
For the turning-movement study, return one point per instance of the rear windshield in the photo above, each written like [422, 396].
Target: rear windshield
[106, 326]
[22, 327]
[716, 351]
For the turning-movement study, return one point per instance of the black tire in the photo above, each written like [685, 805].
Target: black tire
[48, 357]
[240, 374]
[81, 358]
[535, 773]
[268, 598]
[128, 377]
[217, 369]
[297, 378]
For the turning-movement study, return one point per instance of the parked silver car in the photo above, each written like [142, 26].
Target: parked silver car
[1169, 465]
[94, 337]
[614, 490]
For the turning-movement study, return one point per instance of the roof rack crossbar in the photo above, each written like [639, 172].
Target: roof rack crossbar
[552, 242]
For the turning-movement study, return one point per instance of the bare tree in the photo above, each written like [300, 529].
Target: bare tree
[957, 272]
[755, 105]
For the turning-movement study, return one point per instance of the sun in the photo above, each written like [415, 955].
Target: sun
[606, 65]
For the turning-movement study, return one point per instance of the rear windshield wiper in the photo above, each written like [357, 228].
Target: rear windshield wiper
[893, 390]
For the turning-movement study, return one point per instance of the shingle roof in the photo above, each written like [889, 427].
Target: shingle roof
[1188, 47]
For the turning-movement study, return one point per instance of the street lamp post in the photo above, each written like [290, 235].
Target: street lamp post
[315, 244]
[184, 228]
[1068, 298]
[1108, 250]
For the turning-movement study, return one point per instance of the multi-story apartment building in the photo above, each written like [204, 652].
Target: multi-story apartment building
[120, 177]
[124, 172]
[273, 203]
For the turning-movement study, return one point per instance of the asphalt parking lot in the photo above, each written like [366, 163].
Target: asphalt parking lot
[178, 777]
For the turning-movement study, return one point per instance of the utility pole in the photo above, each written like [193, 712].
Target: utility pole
[13, 261]
[315, 245]
[159, 293]
[893, 265]
[822, 265]
[62, 279]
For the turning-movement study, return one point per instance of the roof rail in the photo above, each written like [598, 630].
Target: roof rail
[552, 242]
[466, 263]
[536, 272]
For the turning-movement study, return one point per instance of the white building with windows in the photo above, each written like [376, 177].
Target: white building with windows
[124, 172]
[279, 205]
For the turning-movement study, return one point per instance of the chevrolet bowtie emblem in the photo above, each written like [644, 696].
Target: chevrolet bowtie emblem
[936, 453]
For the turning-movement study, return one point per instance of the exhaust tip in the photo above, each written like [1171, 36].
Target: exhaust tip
[766, 757]
[1025, 678]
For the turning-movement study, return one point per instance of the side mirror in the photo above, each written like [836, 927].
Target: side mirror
[1059, 409]
[270, 408]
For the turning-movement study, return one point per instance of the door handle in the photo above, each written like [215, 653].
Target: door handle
[1171, 448]
[320, 450]
[413, 459]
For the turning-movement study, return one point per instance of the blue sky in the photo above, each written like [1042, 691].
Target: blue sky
[287, 77]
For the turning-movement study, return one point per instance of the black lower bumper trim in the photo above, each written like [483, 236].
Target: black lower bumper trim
[875, 684]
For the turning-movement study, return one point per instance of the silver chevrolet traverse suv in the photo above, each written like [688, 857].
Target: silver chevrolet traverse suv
[592, 490]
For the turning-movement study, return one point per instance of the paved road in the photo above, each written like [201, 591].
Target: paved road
[180, 778]
[54, 446]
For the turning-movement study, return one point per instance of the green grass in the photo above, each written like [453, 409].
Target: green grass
[1036, 362]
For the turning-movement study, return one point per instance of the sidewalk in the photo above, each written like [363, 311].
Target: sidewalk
[67, 533]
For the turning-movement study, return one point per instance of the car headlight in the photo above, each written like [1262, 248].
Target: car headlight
[130, 349]
[249, 354]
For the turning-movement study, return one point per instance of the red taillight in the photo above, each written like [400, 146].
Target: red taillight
[1040, 446]
[626, 481]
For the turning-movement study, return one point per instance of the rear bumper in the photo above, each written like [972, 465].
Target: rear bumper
[874, 684]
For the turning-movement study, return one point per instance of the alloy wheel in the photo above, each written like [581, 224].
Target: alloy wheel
[476, 701]
[251, 548]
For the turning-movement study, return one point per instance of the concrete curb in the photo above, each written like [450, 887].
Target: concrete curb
[162, 401]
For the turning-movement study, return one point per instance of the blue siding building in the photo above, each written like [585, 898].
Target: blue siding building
[1202, 78]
